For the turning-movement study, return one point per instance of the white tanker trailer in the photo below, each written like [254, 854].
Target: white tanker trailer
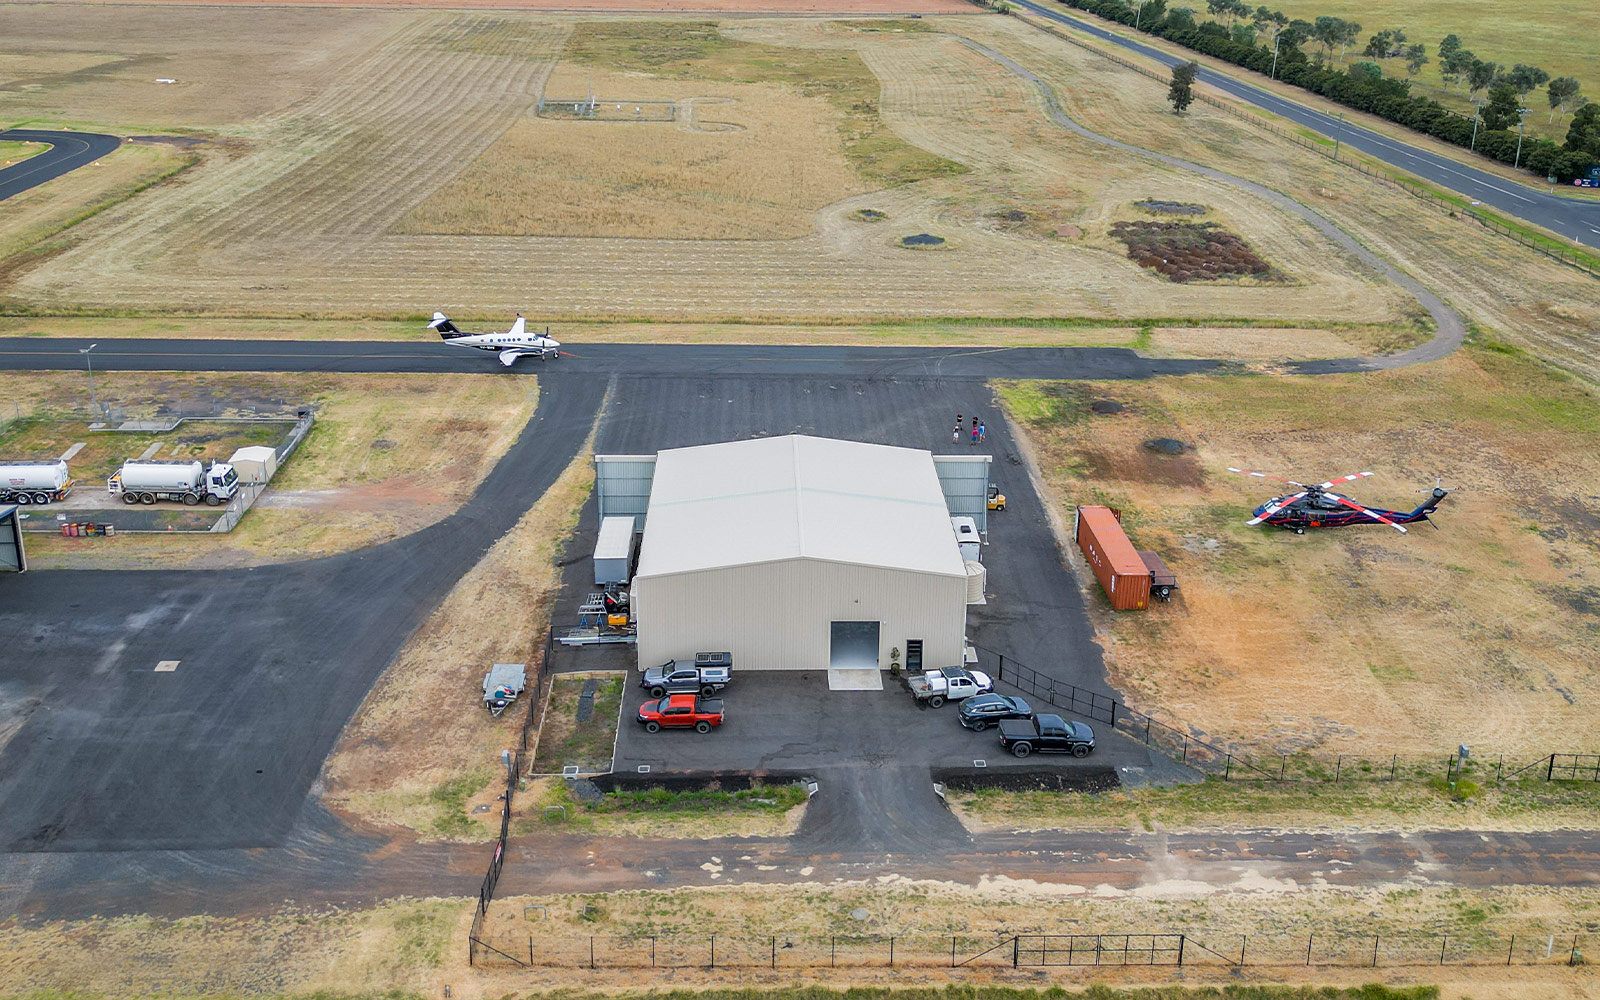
[186, 482]
[34, 482]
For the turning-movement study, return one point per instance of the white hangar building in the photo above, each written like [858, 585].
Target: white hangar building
[799, 553]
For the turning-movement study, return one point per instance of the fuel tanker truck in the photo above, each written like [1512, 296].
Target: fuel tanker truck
[186, 482]
[34, 482]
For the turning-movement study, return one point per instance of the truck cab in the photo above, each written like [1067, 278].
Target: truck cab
[222, 481]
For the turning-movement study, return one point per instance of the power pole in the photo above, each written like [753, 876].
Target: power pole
[1477, 116]
[1275, 39]
[94, 406]
[1522, 118]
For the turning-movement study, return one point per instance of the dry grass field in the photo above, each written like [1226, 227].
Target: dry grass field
[421, 750]
[760, 180]
[389, 454]
[1359, 639]
[288, 219]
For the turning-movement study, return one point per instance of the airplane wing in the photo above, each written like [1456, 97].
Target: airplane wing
[518, 328]
[510, 355]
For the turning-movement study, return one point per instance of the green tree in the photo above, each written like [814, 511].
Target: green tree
[1366, 72]
[1526, 78]
[1501, 111]
[1244, 34]
[1583, 135]
[1450, 46]
[1181, 19]
[1455, 64]
[1181, 93]
[1416, 58]
[1480, 74]
[1562, 92]
[1385, 44]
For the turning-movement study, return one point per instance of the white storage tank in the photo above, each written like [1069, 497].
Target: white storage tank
[255, 464]
[967, 537]
[33, 482]
[977, 576]
[138, 475]
[613, 551]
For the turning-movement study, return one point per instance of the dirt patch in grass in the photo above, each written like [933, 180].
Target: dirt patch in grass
[1192, 251]
[567, 741]
[1358, 639]
[389, 454]
[406, 756]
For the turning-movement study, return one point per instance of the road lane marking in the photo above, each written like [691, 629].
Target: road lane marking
[167, 666]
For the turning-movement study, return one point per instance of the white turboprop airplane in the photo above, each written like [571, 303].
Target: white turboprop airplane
[515, 343]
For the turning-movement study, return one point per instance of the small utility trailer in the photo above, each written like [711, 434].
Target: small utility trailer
[1162, 580]
[502, 684]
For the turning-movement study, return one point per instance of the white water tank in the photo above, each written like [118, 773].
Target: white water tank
[33, 475]
[977, 576]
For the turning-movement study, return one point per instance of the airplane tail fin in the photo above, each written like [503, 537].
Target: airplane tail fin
[447, 330]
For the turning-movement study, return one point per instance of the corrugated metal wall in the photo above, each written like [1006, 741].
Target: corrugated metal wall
[964, 479]
[623, 485]
[777, 616]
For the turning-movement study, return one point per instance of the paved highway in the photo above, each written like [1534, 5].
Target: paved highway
[1576, 219]
[68, 151]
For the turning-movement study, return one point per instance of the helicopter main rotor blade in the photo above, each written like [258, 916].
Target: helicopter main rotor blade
[1372, 514]
[1268, 475]
[1344, 479]
[1286, 501]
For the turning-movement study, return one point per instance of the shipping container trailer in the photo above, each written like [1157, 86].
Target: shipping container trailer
[1114, 561]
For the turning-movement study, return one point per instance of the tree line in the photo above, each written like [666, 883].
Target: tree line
[1270, 42]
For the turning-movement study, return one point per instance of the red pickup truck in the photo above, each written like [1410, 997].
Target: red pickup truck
[681, 711]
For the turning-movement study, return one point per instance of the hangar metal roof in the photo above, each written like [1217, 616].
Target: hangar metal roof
[797, 497]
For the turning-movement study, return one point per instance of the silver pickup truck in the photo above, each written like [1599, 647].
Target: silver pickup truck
[706, 675]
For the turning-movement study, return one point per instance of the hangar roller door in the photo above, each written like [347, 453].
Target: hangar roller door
[854, 647]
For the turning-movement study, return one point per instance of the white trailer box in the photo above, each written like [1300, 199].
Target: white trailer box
[255, 464]
[613, 550]
[967, 537]
[34, 482]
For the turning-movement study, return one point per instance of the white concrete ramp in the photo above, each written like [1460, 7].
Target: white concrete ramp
[855, 679]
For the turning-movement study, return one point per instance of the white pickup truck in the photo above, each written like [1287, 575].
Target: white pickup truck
[935, 687]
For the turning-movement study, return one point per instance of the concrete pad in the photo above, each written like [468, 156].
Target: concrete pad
[167, 666]
[150, 452]
[151, 426]
[856, 679]
[67, 455]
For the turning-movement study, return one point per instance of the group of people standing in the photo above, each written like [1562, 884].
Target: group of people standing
[977, 432]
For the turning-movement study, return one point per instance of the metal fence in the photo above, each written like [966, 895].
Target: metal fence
[1267, 764]
[479, 950]
[1580, 261]
[967, 953]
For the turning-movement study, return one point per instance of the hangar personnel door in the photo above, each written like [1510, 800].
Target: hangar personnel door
[855, 646]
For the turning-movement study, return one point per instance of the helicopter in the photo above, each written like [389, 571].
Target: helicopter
[1318, 507]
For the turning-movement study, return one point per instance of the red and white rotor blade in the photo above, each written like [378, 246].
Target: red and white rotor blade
[1372, 514]
[1345, 479]
[1267, 475]
[1286, 501]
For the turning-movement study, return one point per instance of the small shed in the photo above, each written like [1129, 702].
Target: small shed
[1114, 561]
[255, 464]
[613, 550]
[12, 557]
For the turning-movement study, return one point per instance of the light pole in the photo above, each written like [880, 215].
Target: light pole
[1522, 117]
[93, 405]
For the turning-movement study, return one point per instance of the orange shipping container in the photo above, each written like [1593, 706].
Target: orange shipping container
[1115, 562]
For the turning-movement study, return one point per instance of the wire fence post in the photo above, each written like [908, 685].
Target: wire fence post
[774, 951]
[591, 951]
[713, 951]
[1442, 943]
[652, 951]
[1181, 940]
[1243, 940]
[833, 950]
[891, 952]
[1374, 951]
[953, 951]
[1338, 767]
[1016, 946]
[1309, 938]
[1394, 762]
[1511, 948]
